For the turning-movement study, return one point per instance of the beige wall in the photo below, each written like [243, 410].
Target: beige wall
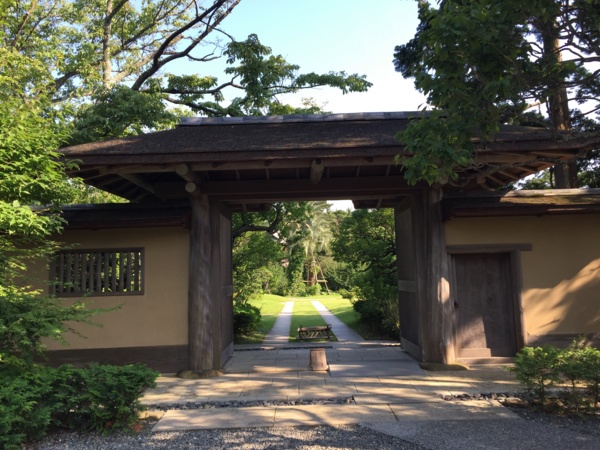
[561, 275]
[159, 316]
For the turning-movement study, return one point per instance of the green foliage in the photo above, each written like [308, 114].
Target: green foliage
[119, 112]
[313, 290]
[483, 63]
[26, 317]
[263, 75]
[23, 411]
[246, 318]
[111, 63]
[100, 397]
[537, 369]
[434, 148]
[37, 399]
[576, 367]
[366, 242]
[256, 265]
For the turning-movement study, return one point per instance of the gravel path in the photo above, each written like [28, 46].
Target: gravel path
[584, 432]
[313, 438]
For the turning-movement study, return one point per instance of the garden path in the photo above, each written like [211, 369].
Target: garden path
[280, 333]
[342, 332]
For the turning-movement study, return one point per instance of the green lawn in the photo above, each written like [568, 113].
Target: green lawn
[305, 315]
[270, 307]
[343, 310]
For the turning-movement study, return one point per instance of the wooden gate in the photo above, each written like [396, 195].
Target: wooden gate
[485, 305]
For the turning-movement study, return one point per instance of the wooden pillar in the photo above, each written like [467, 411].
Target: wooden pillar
[210, 321]
[221, 283]
[201, 315]
[437, 339]
[408, 276]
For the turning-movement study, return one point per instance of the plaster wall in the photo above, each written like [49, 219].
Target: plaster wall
[159, 317]
[561, 275]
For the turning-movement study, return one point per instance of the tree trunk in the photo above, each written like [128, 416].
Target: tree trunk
[565, 174]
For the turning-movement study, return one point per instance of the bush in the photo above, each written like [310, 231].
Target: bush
[577, 367]
[100, 397]
[537, 369]
[23, 412]
[246, 318]
[313, 290]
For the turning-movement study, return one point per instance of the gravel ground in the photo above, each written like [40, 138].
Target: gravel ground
[340, 437]
[306, 438]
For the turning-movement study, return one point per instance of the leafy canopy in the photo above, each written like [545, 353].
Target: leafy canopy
[485, 62]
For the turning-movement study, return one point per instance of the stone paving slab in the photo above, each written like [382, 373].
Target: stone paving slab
[218, 418]
[375, 369]
[284, 416]
[292, 416]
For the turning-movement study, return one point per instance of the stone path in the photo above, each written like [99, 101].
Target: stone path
[367, 382]
[342, 331]
[280, 332]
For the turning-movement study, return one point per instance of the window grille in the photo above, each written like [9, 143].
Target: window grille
[98, 272]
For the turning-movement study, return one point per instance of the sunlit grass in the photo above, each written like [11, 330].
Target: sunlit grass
[304, 315]
[270, 306]
[343, 310]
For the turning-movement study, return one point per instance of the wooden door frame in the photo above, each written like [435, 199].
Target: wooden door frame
[516, 274]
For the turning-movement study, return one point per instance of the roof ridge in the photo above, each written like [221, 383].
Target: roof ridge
[302, 118]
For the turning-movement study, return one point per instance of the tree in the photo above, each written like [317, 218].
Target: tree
[32, 187]
[111, 62]
[366, 241]
[317, 239]
[485, 62]
[260, 242]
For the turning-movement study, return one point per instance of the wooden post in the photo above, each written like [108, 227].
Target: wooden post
[410, 279]
[200, 308]
[221, 283]
[437, 339]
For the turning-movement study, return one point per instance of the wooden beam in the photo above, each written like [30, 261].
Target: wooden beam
[492, 158]
[316, 171]
[185, 172]
[132, 178]
[231, 189]
[192, 188]
[135, 179]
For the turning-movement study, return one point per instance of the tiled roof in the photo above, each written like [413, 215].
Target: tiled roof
[300, 118]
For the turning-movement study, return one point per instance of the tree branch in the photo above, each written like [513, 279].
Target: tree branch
[178, 34]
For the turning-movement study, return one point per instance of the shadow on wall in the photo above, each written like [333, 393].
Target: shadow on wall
[570, 307]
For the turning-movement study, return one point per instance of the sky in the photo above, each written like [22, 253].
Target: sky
[337, 35]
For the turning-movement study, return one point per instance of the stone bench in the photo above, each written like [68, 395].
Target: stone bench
[315, 332]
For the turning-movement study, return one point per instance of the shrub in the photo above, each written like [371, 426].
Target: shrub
[315, 289]
[23, 414]
[100, 397]
[36, 399]
[246, 318]
[537, 369]
[543, 367]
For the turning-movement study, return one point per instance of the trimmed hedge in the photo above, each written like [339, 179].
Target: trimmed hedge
[37, 399]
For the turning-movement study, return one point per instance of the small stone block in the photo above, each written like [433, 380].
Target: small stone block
[318, 359]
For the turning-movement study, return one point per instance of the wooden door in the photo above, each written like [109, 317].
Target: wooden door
[484, 304]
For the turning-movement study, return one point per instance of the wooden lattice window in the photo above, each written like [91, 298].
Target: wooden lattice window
[98, 272]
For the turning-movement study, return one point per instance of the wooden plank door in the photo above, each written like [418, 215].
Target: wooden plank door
[484, 304]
